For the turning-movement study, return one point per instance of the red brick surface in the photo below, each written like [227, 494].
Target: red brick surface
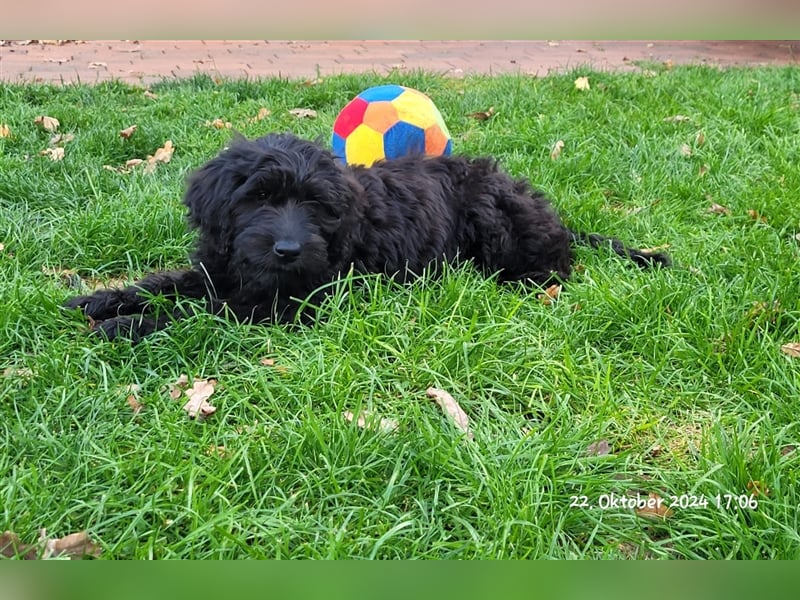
[148, 61]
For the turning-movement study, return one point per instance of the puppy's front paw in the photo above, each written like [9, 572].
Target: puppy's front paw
[97, 306]
[132, 329]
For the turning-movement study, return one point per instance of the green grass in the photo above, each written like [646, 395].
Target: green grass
[679, 370]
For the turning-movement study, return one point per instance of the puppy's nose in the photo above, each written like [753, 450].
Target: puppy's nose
[286, 250]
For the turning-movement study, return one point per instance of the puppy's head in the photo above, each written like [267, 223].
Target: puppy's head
[269, 207]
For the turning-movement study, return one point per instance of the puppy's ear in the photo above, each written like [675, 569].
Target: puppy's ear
[237, 137]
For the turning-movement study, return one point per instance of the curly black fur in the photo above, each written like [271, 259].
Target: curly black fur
[279, 217]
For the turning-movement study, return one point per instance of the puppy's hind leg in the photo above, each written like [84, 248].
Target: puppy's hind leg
[640, 257]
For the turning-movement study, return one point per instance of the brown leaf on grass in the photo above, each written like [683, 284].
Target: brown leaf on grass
[451, 408]
[270, 362]
[703, 170]
[550, 294]
[54, 154]
[718, 209]
[700, 139]
[219, 124]
[12, 547]
[176, 389]
[756, 216]
[367, 421]
[133, 401]
[686, 150]
[303, 113]
[126, 133]
[791, 349]
[654, 508]
[61, 139]
[599, 448]
[199, 393]
[788, 449]
[313, 82]
[162, 155]
[5, 132]
[263, 113]
[50, 124]
[556, 151]
[757, 488]
[18, 372]
[150, 95]
[75, 545]
[483, 115]
[582, 83]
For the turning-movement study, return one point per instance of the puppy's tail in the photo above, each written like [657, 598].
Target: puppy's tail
[642, 258]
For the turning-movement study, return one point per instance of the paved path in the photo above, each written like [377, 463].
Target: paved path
[149, 61]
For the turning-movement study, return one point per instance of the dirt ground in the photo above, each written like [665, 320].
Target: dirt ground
[144, 62]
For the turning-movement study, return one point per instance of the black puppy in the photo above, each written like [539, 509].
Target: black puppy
[279, 217]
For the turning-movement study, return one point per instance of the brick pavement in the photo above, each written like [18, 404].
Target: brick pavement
[149, 61]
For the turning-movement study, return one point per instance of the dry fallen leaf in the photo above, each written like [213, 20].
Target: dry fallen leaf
[718, 209]
[757, 488]
[219, 124]
[150, 95]
[449, 405]
[791, 349]
[686, 150]
[133, 401]
[11, 547]
[366, 421]
[61, 139]
[303, 113]
[47, 123]
[126, 133]
[483, 115]
[162, 155]
[550, 294]
[703, 170]
[756, 216]
[700, 139]
[199, 393]
[74, 545]
[22, 372]
[5, 132]
[676, 119]
[582, 83]
[54, 154]
[557, 148]
[655, 508]
[176, 389]
[599, 448]
[263, 113]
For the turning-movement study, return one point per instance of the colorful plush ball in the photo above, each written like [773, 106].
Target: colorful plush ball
[389, 121]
